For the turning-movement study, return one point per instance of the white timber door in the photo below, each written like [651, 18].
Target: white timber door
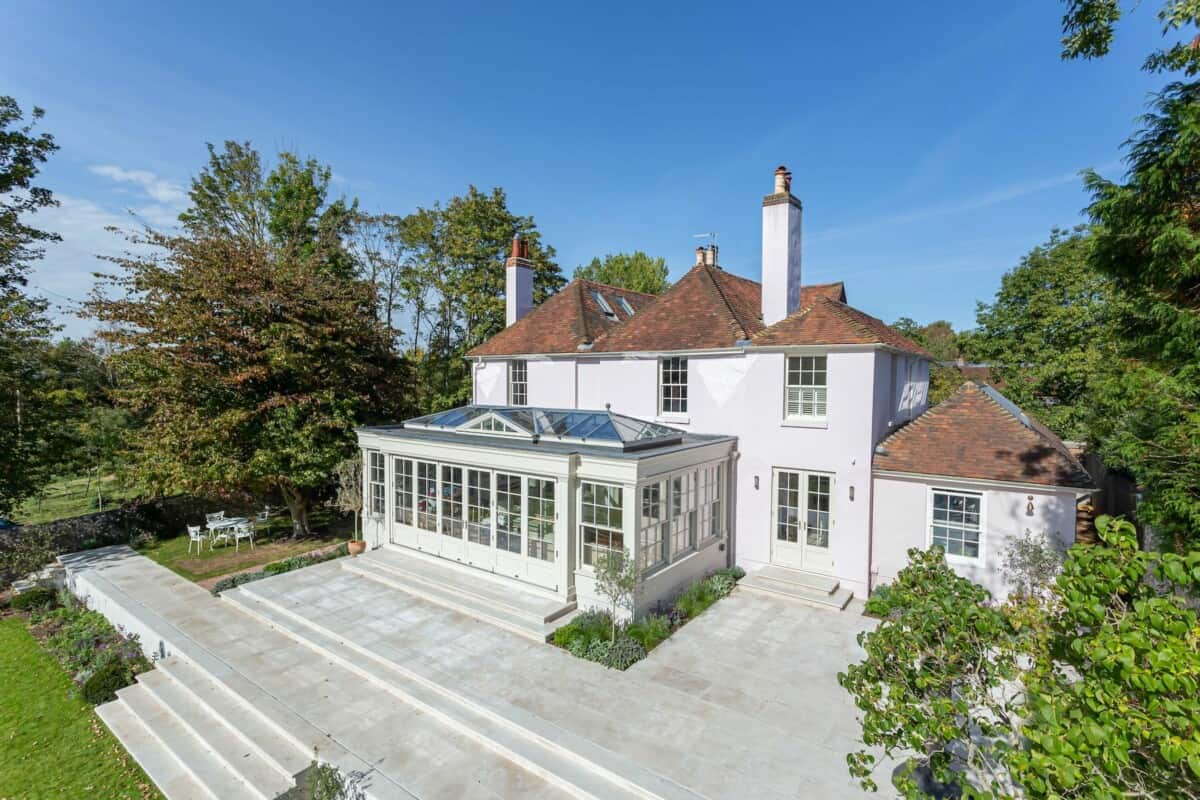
[480, 514]
[403, 527]
[802, 520]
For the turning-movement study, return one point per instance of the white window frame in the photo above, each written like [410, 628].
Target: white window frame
[514, 522]
[376, 484]
[518, 376]
[819, 392]
[547, 545]
[400, 478]
[653, 536]
[608, 527]
[676, 365]
[628, 309]
[951, 557]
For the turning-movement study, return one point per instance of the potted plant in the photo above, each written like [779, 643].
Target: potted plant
[349, 499]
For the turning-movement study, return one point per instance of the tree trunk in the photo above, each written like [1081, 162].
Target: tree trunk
[297, 503]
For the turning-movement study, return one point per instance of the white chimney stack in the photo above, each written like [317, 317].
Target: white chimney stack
[780, 250]
[518, 282]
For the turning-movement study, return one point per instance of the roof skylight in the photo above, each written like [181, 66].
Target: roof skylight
[604, 306]
[591, 427]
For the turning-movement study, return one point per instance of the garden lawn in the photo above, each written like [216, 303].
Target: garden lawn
[52, 745]
[210, 563]
[70, 497]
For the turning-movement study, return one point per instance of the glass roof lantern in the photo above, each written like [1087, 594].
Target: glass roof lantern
[566, 425]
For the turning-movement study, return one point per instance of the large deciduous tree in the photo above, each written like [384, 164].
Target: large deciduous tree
[453, 284]
[635, 271]
[249, 345]
[1147, 241]
[28, 449]
[1051, 327]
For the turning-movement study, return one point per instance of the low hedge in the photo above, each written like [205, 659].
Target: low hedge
[278, 568]
[35, 598]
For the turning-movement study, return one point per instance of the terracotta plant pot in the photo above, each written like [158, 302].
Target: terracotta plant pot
[356, 546]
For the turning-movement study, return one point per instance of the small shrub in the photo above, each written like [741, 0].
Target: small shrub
[233, 581]
[696, 598]
[720, 584]
[578, 647]
[624, 653]
[735, 572]
[879, 604]
[102, 685]
[598, 651]
[649, 631]
[587, 627]
[39, 597]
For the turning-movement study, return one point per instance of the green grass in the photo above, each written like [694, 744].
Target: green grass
[273, 544]
[53, 745]
[70, 497]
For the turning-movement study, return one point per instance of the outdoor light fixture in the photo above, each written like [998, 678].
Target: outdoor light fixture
[851, 494]
[1029, 506]
[756, 483]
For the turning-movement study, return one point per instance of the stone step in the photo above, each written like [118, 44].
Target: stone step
[237, 752]
[838, 599]
[159, 764]
[796, 577]
[522, 624]
[580, 767]
[282, 753]
[205, 765]
[540, 605]
[242, 689]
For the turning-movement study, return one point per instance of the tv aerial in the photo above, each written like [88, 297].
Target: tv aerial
[711, 237]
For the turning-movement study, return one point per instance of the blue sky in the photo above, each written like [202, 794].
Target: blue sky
[931, 143]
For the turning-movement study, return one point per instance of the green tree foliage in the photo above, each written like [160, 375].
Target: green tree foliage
[1147, 240]
[938, 668]
[635, 271]
[451, 278]
[1051, 327]
[249, 349]
[1089, 690]
[941, 340]
[28, 445]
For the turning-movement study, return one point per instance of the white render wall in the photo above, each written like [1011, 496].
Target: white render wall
[740, 394]
[902, 521]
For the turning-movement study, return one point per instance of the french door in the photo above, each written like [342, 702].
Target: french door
[802, 520]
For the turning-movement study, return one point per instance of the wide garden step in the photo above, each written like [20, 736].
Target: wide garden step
[162, 767]
[238, 753]
[252, 726]
[817, 590]
[209, 770]
[531, 601]
[577, 765]
[531, 626]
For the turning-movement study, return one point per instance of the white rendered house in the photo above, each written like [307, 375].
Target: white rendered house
[768, 425]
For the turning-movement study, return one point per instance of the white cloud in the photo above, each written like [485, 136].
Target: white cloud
[159, 189]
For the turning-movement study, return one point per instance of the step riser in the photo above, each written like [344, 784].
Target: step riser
[819, 601]
[206, 737]
[784, 585]
[248, 741]
[428, 583]
[159, 764]
[617, 781]
[184, 763]
[419, 590]
[469, 572]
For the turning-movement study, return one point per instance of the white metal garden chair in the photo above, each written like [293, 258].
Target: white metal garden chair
[216, 517]
[219, 535]
[243, 531]
[196, 537]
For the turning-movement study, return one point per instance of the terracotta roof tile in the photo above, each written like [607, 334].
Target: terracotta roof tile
[828, 321]
[565, 321]
[978, 433]
[834, 291]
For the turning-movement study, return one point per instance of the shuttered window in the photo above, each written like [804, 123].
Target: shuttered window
[806, 387]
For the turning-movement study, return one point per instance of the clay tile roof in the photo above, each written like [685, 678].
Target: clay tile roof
[707, 308]
[979, 433]
[829, 321]
[564, 321]
[834, 291]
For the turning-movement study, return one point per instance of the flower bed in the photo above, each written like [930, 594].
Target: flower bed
[278, 568]
[98, 657]
[591, 634]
